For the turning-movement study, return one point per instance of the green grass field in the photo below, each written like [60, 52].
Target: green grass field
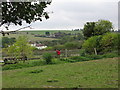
[42, 32]
[30, 37]
[101, 73]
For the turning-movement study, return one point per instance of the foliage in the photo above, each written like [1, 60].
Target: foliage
[30, 63]
[59, 47]
[94, 57]
[82, 52]
[102, 27]
[66, 39]
[97, 28]
[72, 45]
[90, 44]
[49, 48]
[88, 30]
[47, 33]
[103, 43]
[23, 65]
[17, 12]
[79, 58]
[7, 41]
[110, 55]
[80, 36]
[109, 42]
[48, 58]
[21, 48]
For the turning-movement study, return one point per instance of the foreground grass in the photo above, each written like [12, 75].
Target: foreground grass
[89, 74]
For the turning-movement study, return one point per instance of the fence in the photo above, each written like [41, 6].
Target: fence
[38, 54]
[64, 53]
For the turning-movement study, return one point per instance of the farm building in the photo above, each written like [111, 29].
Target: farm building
[38, 46]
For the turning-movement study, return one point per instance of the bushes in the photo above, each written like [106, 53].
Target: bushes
[103, 43]
[94, 57]
[79, 58]
[23, 65]
[48, 58]
[91, 43]
[110, 55]
[89, 57]
[75, 59]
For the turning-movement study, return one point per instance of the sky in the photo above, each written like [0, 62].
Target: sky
[73, 14]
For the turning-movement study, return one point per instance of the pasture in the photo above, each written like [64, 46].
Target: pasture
[42, 32]
[101, 73]
[30, 34]
[30, 37]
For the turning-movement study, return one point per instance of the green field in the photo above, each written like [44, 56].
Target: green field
[30, 37]
[31, 34]
[101, 73]
[42, 32]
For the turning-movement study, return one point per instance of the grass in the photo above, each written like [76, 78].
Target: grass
[41, 62]
[30, 37]
[101, 73]
[31, 63]
[42, 32]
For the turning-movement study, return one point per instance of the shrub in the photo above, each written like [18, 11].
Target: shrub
[49, 48]
[93, 57]
[22, 65]
[109, 42]
[110, 55]
[79, 58]
[82, 52]
[48, 58]
[36, 63]
[91, 43]
[14, 66]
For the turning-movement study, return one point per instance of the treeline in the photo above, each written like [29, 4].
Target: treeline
[97, 38]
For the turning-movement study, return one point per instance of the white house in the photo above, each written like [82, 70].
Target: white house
[39, 46]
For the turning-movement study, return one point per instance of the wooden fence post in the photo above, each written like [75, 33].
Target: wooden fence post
[66, 53]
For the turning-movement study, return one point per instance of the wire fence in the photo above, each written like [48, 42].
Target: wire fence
[64, 53]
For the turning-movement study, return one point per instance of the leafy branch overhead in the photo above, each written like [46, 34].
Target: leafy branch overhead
[17, 12]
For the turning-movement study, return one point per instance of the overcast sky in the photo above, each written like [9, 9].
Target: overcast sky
[73, 14]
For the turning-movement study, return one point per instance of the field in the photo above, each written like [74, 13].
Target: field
[42, 32]
[101, 73]
[30, 37]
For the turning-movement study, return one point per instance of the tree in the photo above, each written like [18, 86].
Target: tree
[102, 27]
[17, 12]
[58, 47]
[7, 41]
[110, 42]
[88, 30]
[47, 33]
[80, 36]
[102, 44]
[72, 45]
[92, 45]
[97, 28]
[21, 48]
